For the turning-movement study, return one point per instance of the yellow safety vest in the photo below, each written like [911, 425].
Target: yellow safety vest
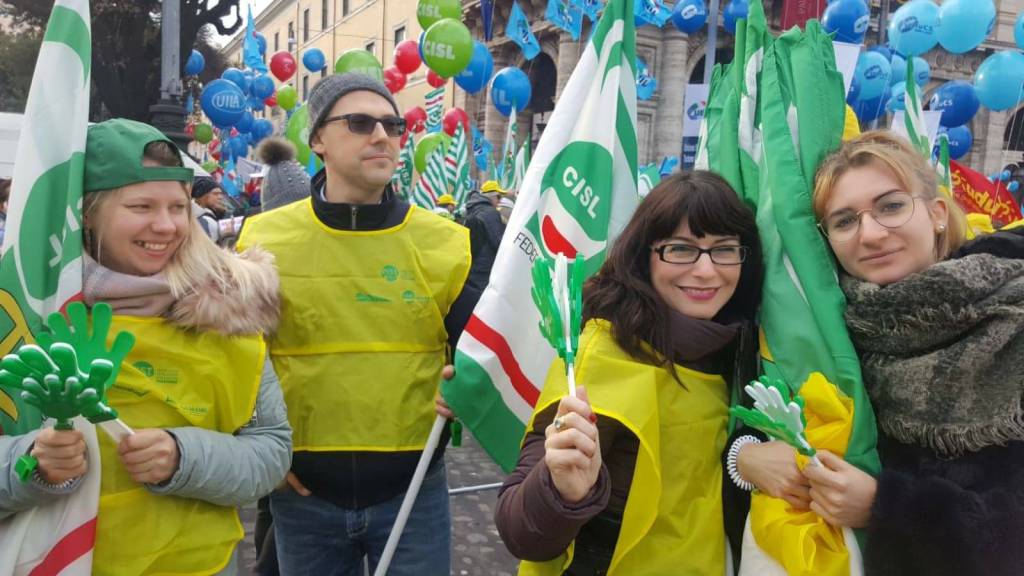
[361, 343]
[673, 521]
[173, 378]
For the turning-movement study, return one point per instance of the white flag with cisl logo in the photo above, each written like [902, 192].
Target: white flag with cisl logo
[578, 193]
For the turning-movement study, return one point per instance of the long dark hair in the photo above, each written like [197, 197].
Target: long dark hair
[621, 291]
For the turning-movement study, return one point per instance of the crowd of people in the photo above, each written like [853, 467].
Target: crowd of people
[308, 359]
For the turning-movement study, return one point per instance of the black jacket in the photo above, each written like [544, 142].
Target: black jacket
[485, 231]
[955, 517]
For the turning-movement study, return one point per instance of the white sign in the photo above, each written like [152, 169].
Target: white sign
[931, 120]
[846, 61]
[694, 103]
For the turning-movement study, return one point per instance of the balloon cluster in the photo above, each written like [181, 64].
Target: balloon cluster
[958, 26]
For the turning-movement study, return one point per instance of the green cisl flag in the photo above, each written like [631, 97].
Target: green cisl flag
[41, 262]
[577, 195]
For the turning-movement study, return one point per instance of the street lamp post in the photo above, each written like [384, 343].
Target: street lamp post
[167, 114]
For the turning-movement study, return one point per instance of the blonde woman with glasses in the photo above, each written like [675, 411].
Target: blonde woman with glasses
[938, 324]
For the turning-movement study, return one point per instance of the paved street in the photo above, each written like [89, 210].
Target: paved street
[476, 548]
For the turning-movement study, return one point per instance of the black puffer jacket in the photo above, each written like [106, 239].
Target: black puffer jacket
[485, 231]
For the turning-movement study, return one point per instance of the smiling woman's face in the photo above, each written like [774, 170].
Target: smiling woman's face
[875, 253]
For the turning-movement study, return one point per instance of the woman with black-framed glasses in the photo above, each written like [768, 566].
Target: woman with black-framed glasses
[938, 324]
[629, 473]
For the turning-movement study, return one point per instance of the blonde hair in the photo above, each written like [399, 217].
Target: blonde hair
[912, 170]
[198, 260]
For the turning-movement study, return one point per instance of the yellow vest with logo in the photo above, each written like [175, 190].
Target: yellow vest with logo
[673, 520]
[173, 378]
[362, 341]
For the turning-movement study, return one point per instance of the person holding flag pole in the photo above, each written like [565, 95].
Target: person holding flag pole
[375, 294]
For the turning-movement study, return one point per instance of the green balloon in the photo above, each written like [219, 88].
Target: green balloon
[204, 133]
[359, 62]
[287, 97]
[447, 47]
[425, 147]
[297, 132]
[210, 166]
[430, 11]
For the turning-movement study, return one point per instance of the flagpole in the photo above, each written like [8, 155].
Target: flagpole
[410, 496]
[709, 55]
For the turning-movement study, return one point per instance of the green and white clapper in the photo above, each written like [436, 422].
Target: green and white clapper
[779, 413]
[67, 373]
[558, 294]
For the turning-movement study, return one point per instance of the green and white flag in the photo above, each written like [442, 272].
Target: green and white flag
[578, 194]
[649, 177]
[522, 163]
[401, 180]
[913, 116]
[432, 182]
[507, 163]
[456, 166]
[772, 117]
[942, 167]
[435, 108]
[41, 272]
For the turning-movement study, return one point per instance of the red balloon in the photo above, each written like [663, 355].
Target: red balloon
[215, 155]
[434, 80]
[453, 118]
[271, 100]
[407, 56]
[213, 146]
[394, 79]
[190, 130]
[282, 65]
[416, 119]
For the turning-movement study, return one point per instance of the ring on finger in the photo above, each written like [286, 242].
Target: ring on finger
[559, 423]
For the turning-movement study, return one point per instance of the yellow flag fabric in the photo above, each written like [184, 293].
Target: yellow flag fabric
[802, 541]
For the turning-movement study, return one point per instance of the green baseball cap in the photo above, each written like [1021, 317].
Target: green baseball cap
[113, 156]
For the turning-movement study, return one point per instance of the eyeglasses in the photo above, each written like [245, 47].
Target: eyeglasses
[365, 124]
[686, 254]
[891, 211]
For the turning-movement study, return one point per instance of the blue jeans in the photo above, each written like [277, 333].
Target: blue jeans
[318, 538]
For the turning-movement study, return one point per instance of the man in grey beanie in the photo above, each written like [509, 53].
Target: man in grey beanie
[374, 291]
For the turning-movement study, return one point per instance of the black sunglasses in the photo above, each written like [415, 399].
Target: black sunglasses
[365, 124]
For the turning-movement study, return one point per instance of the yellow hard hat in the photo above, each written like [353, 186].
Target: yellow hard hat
[445, 200]
[491, 186]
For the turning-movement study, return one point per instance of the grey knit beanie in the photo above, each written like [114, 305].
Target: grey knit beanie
[331, 88]
[286, 180]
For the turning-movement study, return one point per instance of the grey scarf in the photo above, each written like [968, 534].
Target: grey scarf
[942, 353]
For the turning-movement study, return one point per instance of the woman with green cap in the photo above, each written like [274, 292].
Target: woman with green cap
[210, 428]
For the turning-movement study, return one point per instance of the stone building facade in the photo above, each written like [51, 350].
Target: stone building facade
[677, 59]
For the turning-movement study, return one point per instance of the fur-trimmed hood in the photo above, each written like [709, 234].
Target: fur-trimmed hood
[250, 303]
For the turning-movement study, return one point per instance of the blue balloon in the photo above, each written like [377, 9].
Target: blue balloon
[1018, 31]
[477, 73]
[1013, 186]
[223, 102]
[922, 71]
[261, 42]
[244, 123]
[261, 128]
[1004, 175]
[957, 101]
[419, 44]
[914, 28]
[689, 16]
[256, 103]
[960, 140]
[314, 60]
[999, 80]
[899, 69]
[896, 101]
[195, 63]
[965, 23]
[510, 87]
[236, 77]
[262, 86]
[871, 75]
[736, 10]
[848, 19]
[239, 147]
[872, 108]
[883, 50]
